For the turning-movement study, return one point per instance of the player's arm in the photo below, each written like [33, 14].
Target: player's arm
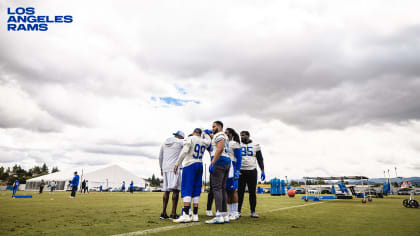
[207, 140]
[161, 159]
[220, 146]
[238, 155]
[184, 152]
[260, 160]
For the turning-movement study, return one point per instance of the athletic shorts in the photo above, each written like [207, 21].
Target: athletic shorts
[171, 181]
[231, 184]
[192, 176]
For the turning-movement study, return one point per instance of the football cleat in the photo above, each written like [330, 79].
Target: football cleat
[226, 218]
[173, 217]
[195, 218]
[216, 220]
[183, 219]
[209, 213]
[254, 215]
[164, 216]
[233, 216]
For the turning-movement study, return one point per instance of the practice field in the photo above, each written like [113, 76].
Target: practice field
[119, 213]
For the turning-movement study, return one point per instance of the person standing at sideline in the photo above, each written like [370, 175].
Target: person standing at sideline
[53, 185]
[168, 156]
[41, 186]
[232, 182]
[74, 184]
[82, 189]
[219, 170]
[123, 187]
[131, 187]
[15, 187]
[192, 174]
[86, 188]
[251, 155]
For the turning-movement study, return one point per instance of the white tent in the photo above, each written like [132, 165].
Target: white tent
[111, 176]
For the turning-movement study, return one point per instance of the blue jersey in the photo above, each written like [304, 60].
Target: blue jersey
[75, 181]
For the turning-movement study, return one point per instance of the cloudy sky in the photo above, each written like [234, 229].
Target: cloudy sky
[325, 87]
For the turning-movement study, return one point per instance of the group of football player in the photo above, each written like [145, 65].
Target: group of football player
[233, 166]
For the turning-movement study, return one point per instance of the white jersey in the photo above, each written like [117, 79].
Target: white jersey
[224, 157]
[169, 153]
[193, 150]
[232, 146]
[249, 155]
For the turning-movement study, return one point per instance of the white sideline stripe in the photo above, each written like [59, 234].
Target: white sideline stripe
[179, 226]
[286, 208]
[160, 229]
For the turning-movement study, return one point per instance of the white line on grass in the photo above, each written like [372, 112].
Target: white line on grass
[178, 226]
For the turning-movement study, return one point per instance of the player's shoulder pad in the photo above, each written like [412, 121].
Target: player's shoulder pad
[219, 136]
[188, 140]
[257, 147]
[234, 144]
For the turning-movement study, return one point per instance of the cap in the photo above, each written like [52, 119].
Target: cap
[180, 133]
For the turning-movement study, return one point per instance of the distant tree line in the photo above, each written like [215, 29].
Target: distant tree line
[9, 175]
[154, 182]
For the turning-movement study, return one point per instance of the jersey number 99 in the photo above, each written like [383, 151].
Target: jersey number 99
[198, 151]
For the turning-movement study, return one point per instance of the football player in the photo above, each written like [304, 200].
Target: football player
[192, 173]
[235, 155]
[219, 170]
[251, 155]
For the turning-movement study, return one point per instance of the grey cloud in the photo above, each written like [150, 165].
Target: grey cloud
[386, 161]
[326, 80]
[415, 166]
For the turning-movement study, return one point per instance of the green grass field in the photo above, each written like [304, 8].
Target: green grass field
[117, 213]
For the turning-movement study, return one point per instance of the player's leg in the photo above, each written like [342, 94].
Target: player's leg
[186, 193]
[163, 215]
[229, 196]
[197, 189]
[217, 183]
[224, 202]
[210, 198]
[165, 199]
[241, 190]
[73, 191]
[176, 187]
[235, 201]
[252, 187]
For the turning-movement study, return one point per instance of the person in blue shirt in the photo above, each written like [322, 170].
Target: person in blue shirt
[123, 187]
[131, 187]
[74, 184]
[100, 188]
[15, 187]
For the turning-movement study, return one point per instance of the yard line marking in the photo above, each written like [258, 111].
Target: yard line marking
[160, 229]
[286, 208]
[179, 226]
